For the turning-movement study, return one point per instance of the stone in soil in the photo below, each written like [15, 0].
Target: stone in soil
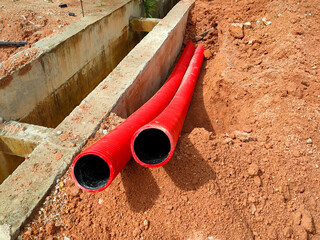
[253, 169]
[236, 30]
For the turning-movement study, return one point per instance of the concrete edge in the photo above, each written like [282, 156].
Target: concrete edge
[20, 139]
[131, 83]
[49, 43]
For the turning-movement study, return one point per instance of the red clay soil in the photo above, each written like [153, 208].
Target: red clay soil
[247, 162]
[32, 20]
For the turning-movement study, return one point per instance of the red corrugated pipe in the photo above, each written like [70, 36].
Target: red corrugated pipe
[153, 144]
[95, 168]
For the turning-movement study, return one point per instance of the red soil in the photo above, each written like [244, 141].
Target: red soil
[247, 162]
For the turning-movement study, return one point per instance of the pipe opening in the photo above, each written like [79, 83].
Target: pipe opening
[91, 172]
[152, 146]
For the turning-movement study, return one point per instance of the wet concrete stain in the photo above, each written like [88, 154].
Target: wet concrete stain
[5, 81]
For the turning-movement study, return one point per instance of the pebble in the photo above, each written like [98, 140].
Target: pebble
[136, 232]
[307, 221]
[236, 30]
[296, 153]
[169, 207]
[207, 54]
[104, 131]
[51, 228]
[146, 224]
[253, 209]
[253, 170]
[66, 238]
[59, 132]
[309, 141]
[247, 25]
[227, 140]
[257, 181]
[264, 20]
[100, 201]
[287, 232]
[251, 199]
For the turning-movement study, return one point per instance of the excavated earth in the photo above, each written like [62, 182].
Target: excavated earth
[247, 162]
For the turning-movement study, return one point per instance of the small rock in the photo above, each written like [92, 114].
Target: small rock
[103, 126]
[59, 132]
[307, 221]
[58, 156]
[304, 83]
[146, 224]
[287, 232]
[100, 201]
[242, 136]
[264, 20]
[170, 207]
[297, 31]
[66, 238]
[227, 140]
[297, 217]
[251, 199]
[236, 30]
[253, 170]
[51, 228]
[105, 131]
[74, 191]
[136, 232]
[309, 141]
[247, 25]
[207, 54]
[253, 209]
[257, 181]
[296, 153]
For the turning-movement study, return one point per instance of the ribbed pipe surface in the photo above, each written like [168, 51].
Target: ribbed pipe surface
[95, 168]
[153, 144]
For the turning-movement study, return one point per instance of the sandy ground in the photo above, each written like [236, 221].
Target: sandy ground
[32, 20]
[247, 162]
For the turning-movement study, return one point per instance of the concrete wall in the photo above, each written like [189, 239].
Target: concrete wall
[164, 7]
[70, 66]
[130, 84]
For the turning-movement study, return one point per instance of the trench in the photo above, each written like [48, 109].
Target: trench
[70, 70]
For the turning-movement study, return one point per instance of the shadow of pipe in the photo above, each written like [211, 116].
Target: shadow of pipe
[188, 169]
[197, 115]
[140, 186]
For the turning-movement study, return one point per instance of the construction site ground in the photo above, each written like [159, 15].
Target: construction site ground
[247, 163]
[31, 20]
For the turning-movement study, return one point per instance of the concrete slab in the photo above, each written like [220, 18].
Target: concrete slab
[143, 24]
[21, 138]
[128, 86]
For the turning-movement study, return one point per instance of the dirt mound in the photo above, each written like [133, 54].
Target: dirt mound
[247, 162]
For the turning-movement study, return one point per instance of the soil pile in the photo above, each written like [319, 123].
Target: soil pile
[247, 162]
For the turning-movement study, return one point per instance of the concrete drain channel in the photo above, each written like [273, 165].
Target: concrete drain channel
[100, 64]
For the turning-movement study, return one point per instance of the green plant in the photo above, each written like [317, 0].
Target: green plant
[150, 6]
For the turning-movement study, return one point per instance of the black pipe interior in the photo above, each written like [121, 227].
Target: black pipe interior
[152, 146]
[91, 172]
